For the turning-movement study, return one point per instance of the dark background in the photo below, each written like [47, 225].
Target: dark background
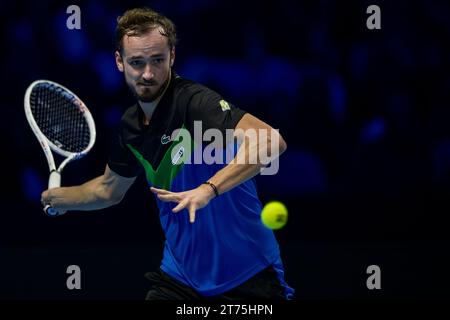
[365, 114]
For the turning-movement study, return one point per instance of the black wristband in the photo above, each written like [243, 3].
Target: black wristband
[213, 187]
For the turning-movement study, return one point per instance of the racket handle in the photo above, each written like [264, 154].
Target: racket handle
[54, 181]
[50, 211]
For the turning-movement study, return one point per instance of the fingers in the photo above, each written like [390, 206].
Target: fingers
[165, 195]
[192, 213]
[180, 197]
[169, 197]
[159, 191]
[45, 197]
[180, 206]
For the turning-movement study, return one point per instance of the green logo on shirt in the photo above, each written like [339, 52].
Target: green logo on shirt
[224, 105]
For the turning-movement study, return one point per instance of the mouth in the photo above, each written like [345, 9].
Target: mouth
[146, 84]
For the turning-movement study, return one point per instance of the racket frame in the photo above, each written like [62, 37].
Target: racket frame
[54, 180]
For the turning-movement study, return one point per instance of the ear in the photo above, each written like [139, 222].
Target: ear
[119, 61]
[172, 56]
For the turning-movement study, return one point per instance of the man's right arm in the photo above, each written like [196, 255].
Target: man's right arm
[101, 192]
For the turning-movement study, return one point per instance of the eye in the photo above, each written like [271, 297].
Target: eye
[135, 63]
[158, 60]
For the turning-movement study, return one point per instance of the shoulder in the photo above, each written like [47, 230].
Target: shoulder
[186, 90]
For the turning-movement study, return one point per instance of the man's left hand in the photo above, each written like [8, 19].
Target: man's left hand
[192, 200]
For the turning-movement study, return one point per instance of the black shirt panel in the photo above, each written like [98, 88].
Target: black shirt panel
[209, 107]
[184, 102]
[120, 159]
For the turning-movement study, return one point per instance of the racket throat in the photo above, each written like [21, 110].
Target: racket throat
[54, 181]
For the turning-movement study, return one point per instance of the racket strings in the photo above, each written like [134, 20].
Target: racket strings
[59, 117]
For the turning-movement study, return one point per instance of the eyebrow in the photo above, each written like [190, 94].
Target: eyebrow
[158, 55]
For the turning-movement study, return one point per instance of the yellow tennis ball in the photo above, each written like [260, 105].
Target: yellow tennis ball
[274, 215]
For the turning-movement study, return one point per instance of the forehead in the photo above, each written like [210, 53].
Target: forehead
[149, 43]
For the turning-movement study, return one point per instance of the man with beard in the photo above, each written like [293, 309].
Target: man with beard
[216, 246]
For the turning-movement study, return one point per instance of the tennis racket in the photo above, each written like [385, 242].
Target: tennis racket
[62, 123]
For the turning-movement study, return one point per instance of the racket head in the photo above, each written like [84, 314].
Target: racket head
[59, 118]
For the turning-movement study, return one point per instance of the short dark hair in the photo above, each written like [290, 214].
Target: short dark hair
[138, 21]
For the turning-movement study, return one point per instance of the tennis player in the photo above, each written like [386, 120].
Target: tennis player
[216, 246]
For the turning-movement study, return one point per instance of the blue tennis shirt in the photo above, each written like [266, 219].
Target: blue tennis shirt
[227, 244]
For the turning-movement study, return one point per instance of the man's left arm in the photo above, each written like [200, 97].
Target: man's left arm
[257, 138]
[248, 163]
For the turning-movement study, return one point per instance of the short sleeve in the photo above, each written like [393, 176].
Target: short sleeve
[121, 160]
[215, 112]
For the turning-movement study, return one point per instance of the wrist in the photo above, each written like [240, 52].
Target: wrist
[214, 192]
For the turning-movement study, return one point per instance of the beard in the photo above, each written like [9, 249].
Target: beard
[146, 95]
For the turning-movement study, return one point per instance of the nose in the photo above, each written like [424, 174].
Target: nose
[148, 74]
